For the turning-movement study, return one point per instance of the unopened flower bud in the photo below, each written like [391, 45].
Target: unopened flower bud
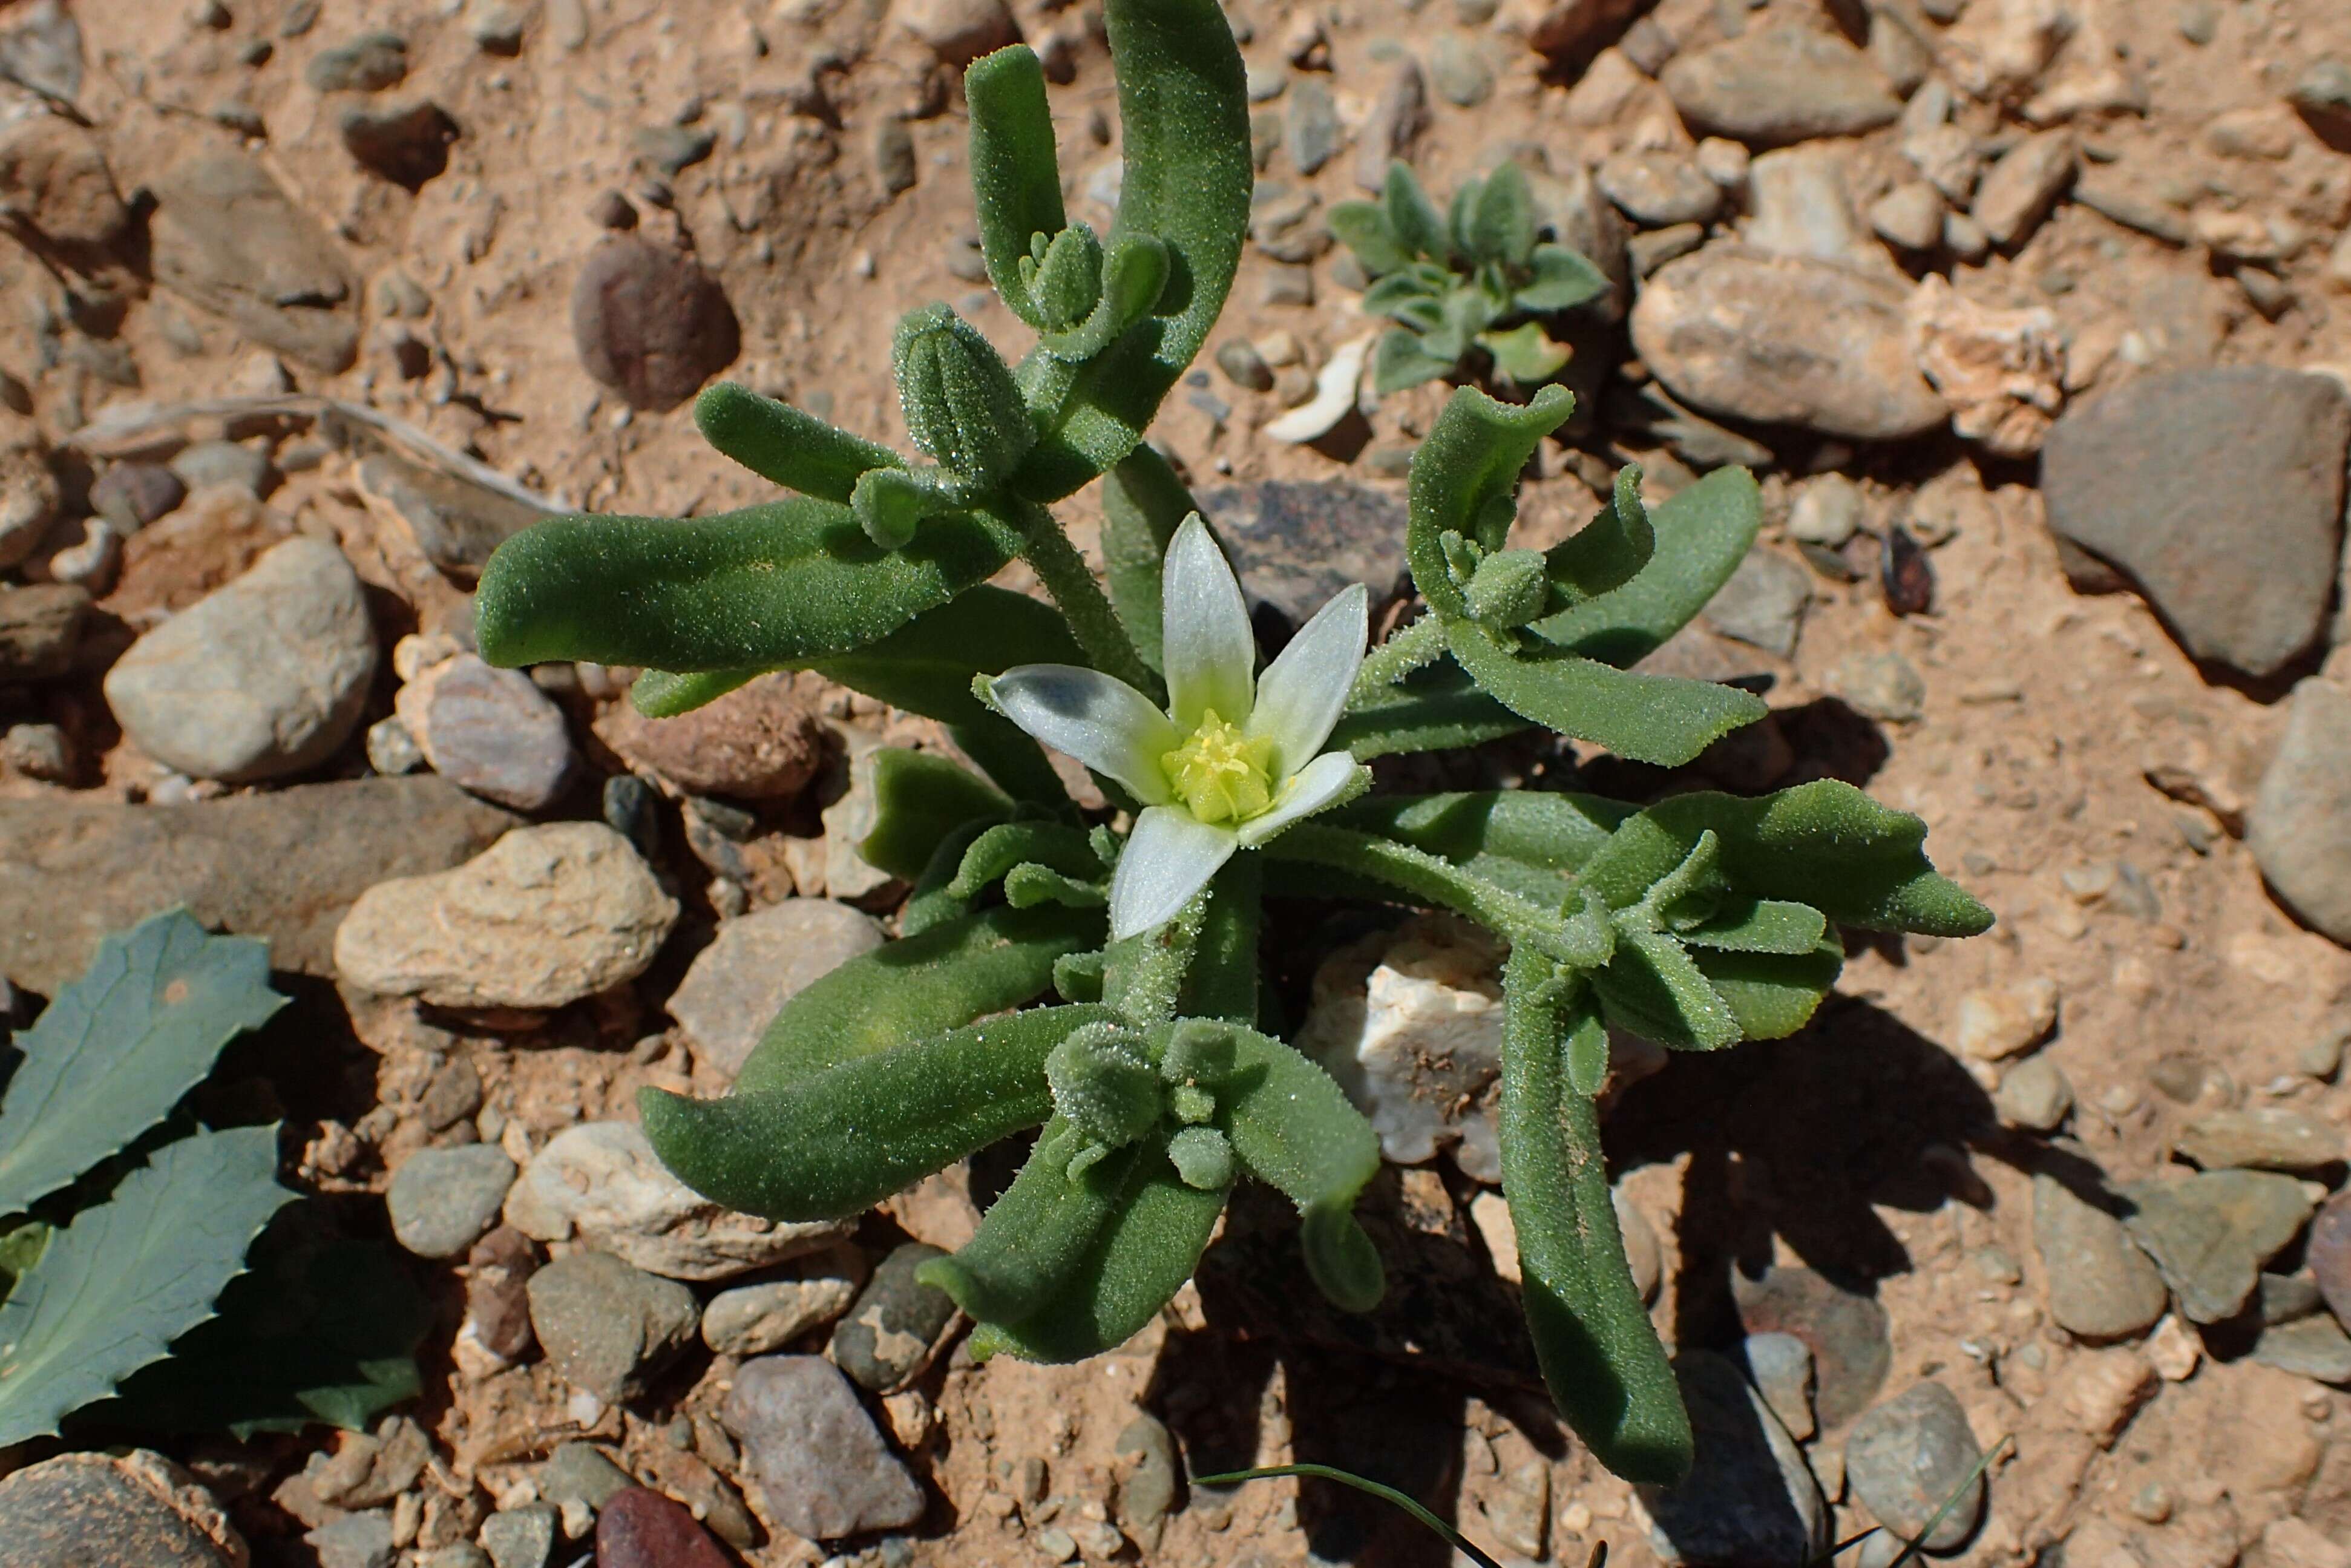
[961, 405]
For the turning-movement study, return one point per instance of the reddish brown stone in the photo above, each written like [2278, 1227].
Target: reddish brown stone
[642, 1528]
[761, 742]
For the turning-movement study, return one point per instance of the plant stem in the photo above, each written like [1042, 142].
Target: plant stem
[1404, 651]
[1441, 884]
[1070, 582]
[1145, 976]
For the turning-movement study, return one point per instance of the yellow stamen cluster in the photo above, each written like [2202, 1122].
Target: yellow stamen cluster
[1220, 774]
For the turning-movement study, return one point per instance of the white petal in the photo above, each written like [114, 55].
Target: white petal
[1169, 857]
[1300, 694]
[1204, 631]
[1103, 723]
[1322, 784]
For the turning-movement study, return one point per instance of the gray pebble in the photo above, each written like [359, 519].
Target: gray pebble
[443, 1199]
[820, 1460]
[607, 1327]
[525, 1537]
[2035, 1096]
[367, 64]
[1244, 366]
[355, 1540]
[2101, 1287]
[1311, 129]
[132, 495]
[888, 1334]
[1780, 1365]
[574, 1473]
[202, 463]
[1881, 685]
[1904, 1459]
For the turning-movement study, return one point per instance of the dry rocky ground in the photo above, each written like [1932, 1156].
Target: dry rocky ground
[2033, 315]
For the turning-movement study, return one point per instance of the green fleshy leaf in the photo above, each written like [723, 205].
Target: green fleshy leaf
[1412, 217]
[1401, 360]
[1525, 353]
[1016, 179]
[119, 1047]
[1502, 226]
[1034, 1238]
[1134, 275]
[1184, 131]
[1293, 1128]
[1397, 290]
[1363, 227]
[1437, 708]
[780, 443]
[926, 665]
[1222, 981]
[1141, 1259]
[1758, 925]
[915, 988]
[1144, 503]
[1529, 842]
[131, 1275]
[1654, 988]
[919, 797]
[834, 1142]
[1008, 844]
[1825, 843]
[891, 503]
[1465, 480]
[1563, 280]
[1600, 1355]
[933, 902]
[1772, 995]
[1068, 284]
[1701, 534]
[768, 585]
[1607, 553]
[665, 693]
[1661, 720]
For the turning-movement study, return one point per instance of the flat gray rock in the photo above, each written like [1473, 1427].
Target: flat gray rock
[228, 239]
[2101, 1286]
[608, 1329]
[93, 1511]
[1295, 545]
[285, 866]
[2300, 826]
[262, 678]
[1783, 340]
[1780, 85]
[2211, 1234]
[2265, 1138]
[819, 1458]
[491, 732]
[2219, 494]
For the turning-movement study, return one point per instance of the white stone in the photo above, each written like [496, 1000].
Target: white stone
[1997, 1022]
[600, 1183]
[752, 1319]
[545, 917]
[1334, 395]
[2002, 371]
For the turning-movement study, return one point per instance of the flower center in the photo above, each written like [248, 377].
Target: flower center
[1220, 774]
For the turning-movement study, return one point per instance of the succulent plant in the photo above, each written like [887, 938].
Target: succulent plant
[1476, 279]
[1151, 1078]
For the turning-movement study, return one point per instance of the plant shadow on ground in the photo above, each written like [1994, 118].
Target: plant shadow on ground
[1799, 1142]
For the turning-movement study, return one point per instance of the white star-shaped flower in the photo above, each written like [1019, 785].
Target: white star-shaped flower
[1237, 757]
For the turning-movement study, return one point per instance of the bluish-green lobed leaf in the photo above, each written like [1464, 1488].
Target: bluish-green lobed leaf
[1525, 354]
[1825, 843]
[1412, 217]
[1661, 720]
[119, 1047]
[1701, 534]
[1185, 181]
[317, 1331]
[786, 583]
[779, 443]
[1502, 223]
[918, 986]
[131, 1274]
[1600, 1355]
[831, 1143]
[1140, 1260]
[1401, 360]
[1016, 179]
[1465, 480]
[919, 797]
